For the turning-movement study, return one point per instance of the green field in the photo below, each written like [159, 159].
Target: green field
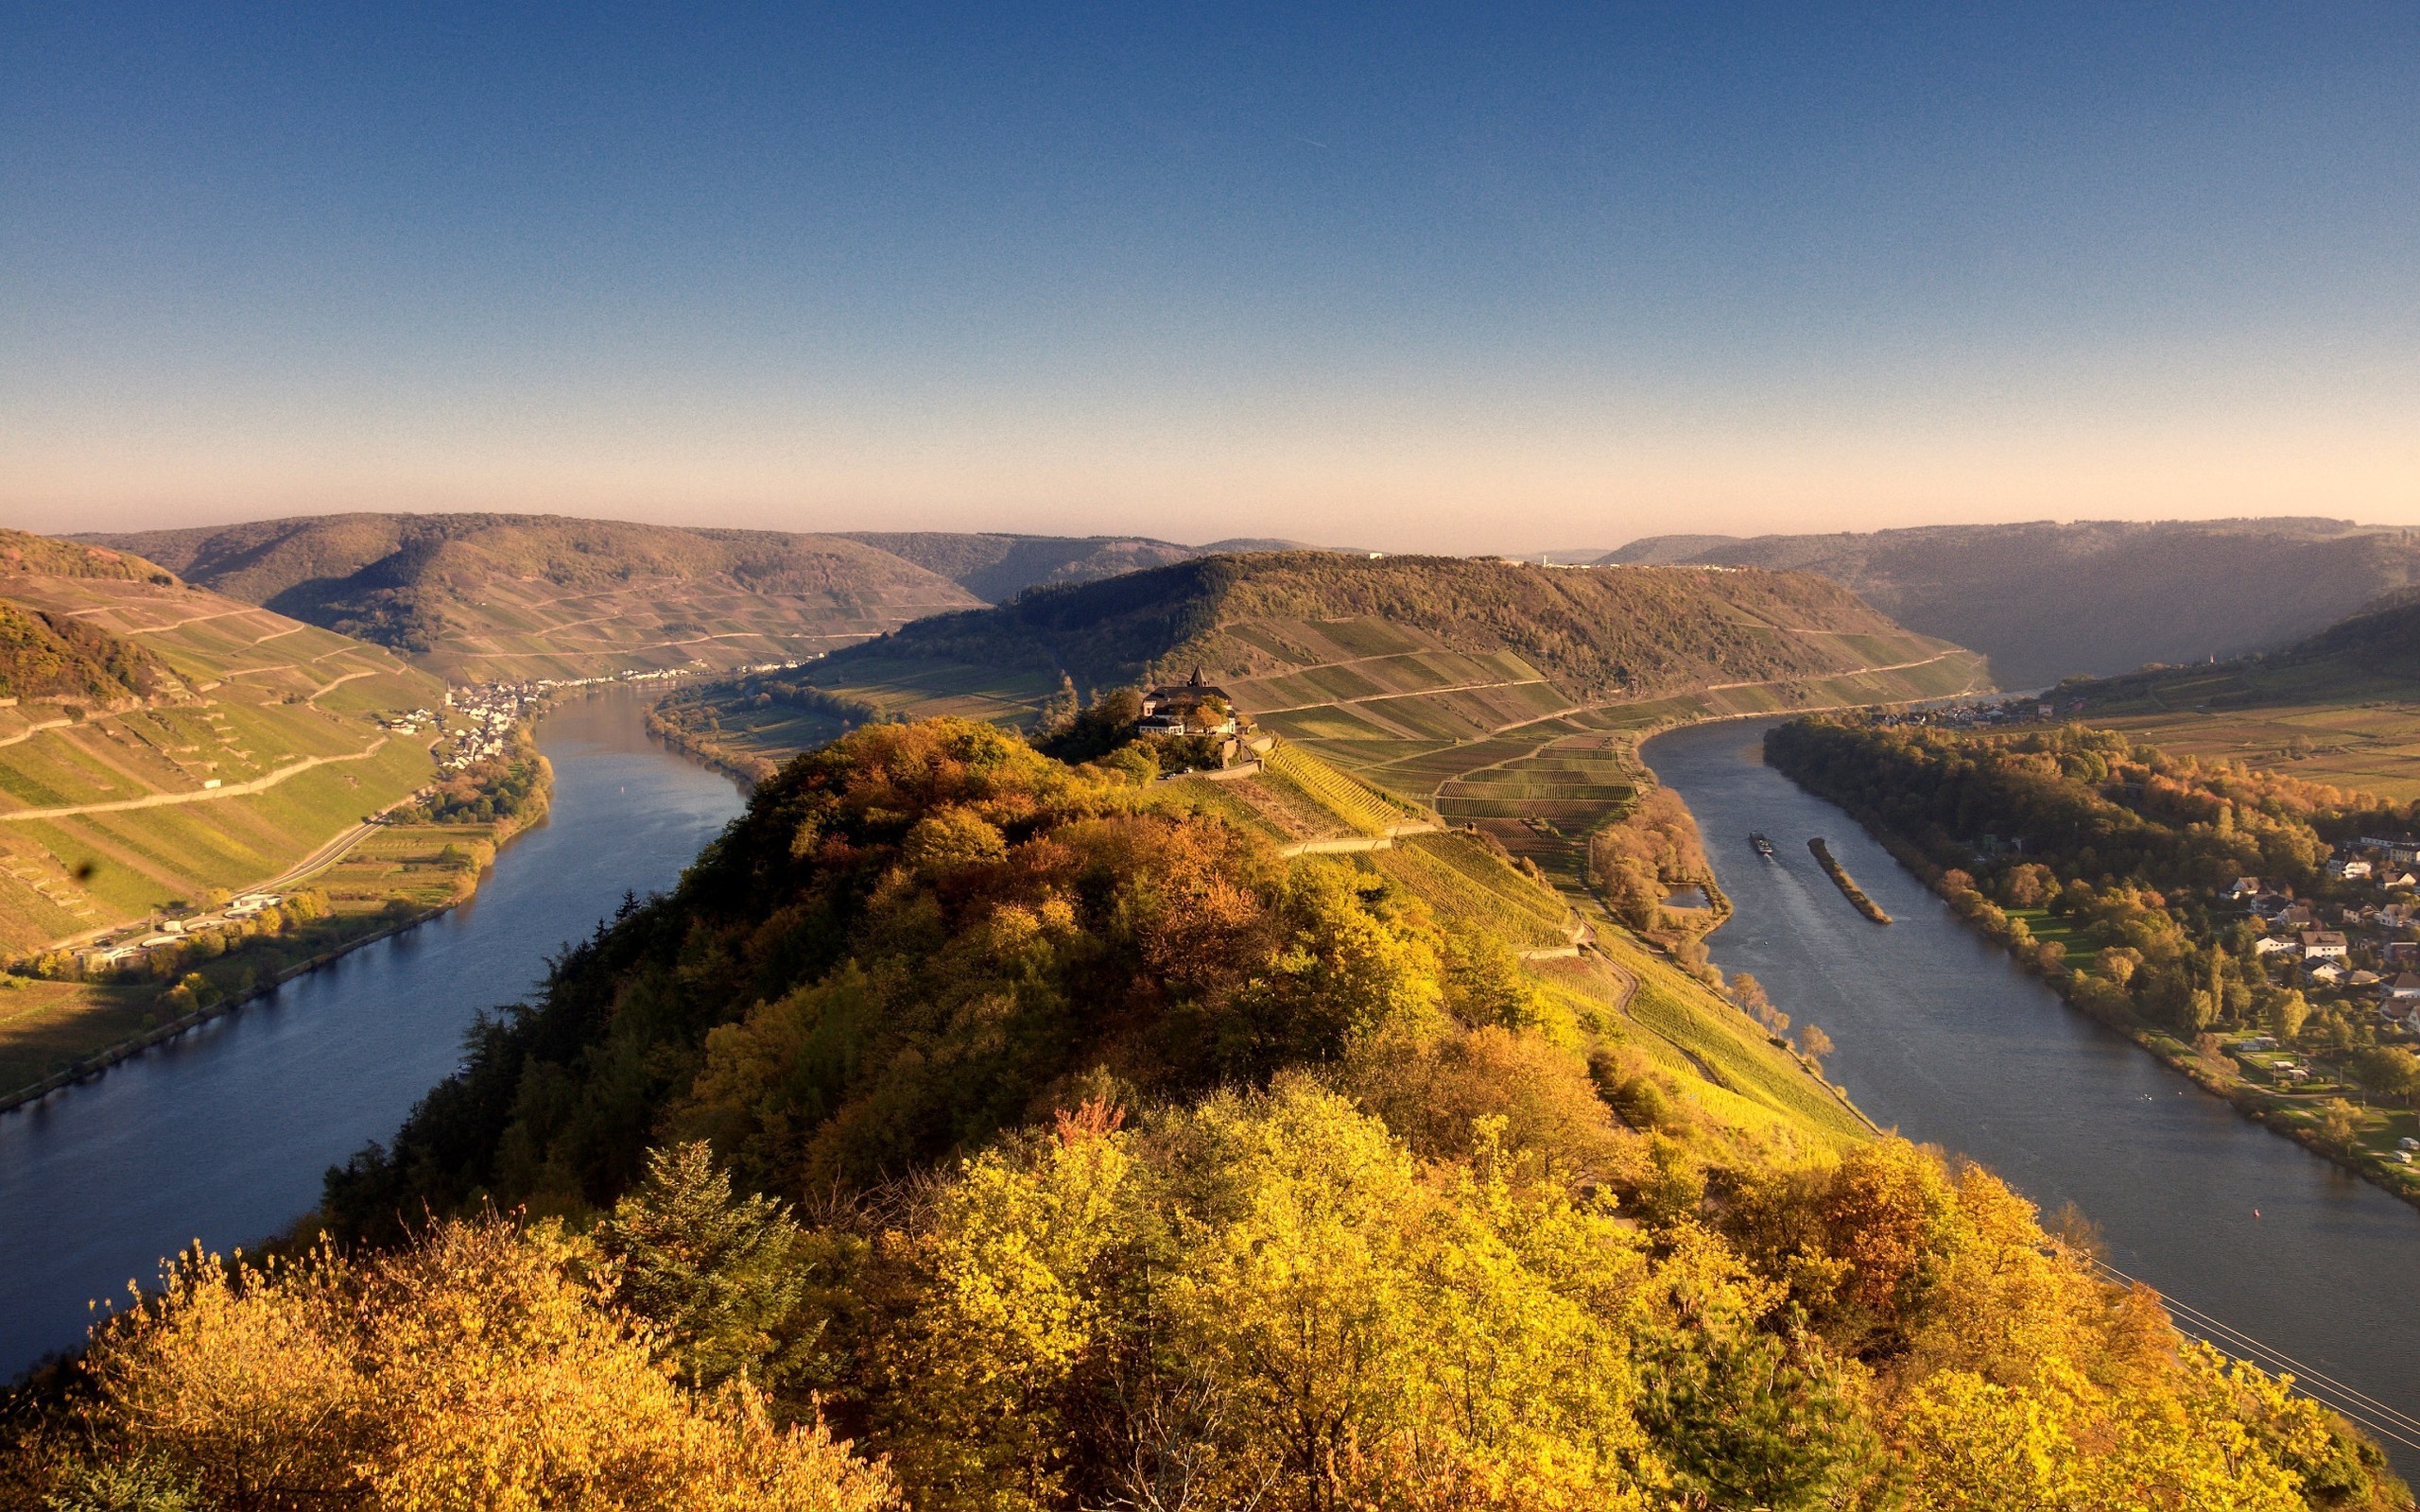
[263, 701]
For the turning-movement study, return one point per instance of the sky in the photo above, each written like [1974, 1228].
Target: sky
[1463, 279]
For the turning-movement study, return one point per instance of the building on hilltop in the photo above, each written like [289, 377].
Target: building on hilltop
[1192, 708]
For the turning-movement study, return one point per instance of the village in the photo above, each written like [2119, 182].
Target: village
[2357, 952]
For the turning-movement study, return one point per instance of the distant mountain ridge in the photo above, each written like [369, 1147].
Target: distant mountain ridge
[485, 596]
[477, 596]
[2045, 600]
[995, 568]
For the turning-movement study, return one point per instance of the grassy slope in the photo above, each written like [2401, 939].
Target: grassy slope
[1616, 990]
[489, 598]
[267, 694]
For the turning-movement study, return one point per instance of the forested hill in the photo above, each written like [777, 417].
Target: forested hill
[2045, 600]
[996, 568]
[58, 656]
[1067, 1146]
[1597, 634]
[477, 596]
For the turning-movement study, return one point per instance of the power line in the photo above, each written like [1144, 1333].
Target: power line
[2377, 1416]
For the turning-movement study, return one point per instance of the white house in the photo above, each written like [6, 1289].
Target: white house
[2272, 944]
[2324, 944]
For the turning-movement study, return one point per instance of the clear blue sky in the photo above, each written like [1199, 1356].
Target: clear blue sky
[1470, 278]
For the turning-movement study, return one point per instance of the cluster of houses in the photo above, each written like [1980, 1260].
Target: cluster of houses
[2361, 947]
[486, 715]
[1985, 715]
[111, 954]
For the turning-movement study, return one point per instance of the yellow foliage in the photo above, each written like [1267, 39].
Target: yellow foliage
[471, 1371]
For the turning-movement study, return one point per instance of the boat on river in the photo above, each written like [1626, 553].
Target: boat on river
[1764, 846]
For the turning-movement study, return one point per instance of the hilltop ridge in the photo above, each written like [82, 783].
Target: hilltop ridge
[480, 598]
[1600, 634]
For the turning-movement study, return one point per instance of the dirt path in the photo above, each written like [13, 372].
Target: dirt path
[158, 800]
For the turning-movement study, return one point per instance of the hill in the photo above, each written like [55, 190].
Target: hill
[233, 743]
[1503, 694]
[2045, 600]
[2341, 708]
[57, 657]
[484, 597]
[1134, 1156]
[996, 568]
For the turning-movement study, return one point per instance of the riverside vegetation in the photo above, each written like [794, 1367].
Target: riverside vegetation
[2106, 869]
[1057, 1143]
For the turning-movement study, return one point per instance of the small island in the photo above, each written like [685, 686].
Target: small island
[1847, 883]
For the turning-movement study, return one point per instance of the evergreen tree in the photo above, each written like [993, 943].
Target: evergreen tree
[716, 1273]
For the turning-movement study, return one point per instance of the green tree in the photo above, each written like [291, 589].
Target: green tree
[716, 1274]
[2285, 1015]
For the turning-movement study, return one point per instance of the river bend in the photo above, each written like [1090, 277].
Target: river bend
[223, 1133]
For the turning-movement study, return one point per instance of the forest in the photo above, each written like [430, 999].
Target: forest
[970, 1129]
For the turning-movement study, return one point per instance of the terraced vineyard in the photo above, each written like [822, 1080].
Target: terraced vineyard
[1517, 757]
[265, 752]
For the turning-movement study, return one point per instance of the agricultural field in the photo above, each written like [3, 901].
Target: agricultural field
[265, 750]
[1729, 1063]
[386, 876]
[2329, 721]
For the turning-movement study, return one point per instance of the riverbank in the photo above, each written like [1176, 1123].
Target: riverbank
[224, 1132]
[57, 1029]
[1943, 1036]
[2297, 1118]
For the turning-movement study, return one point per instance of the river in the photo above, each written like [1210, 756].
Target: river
[1940, 1035]
[223, 1134]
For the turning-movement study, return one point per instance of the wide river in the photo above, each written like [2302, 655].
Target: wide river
[1942, 1035]
[222, 1134]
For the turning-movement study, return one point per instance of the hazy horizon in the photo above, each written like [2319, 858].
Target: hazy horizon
[1407, 279]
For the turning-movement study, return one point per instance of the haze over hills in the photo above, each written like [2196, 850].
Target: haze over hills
[2047, 600]
[2341, 707]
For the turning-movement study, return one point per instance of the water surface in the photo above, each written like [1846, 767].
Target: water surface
[223, 1133]
[1940, 1035]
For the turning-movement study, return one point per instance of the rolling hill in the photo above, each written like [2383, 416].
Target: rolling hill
[1503, 696]
[996, 568]
[489, 598]
[2045, 600]
[188, 742]
[483, 597]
